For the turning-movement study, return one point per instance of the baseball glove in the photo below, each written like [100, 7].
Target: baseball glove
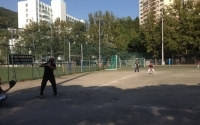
[12, 83]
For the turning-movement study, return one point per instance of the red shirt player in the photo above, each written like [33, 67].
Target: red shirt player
[198, 63]
[151, 68]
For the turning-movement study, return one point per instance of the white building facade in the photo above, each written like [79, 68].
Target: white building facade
[156, 5]
[58, 9]
[37, 11]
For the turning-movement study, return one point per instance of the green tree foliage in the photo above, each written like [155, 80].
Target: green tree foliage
[196, 24]
[151, 33]
[181, 27]
[60, 30]
[132, 34]
[8, 18]
[181, 33]
[45, 39]
[116, 34]
[78, 31]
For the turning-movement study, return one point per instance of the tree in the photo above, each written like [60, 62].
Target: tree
[46, 39]
[132, 34]
[181, 28]
[151, 36]
[8, 18]
[115, 34]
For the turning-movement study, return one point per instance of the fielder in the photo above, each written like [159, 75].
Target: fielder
[151, 68]
[198, 63]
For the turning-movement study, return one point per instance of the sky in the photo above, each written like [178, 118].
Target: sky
[81, 8]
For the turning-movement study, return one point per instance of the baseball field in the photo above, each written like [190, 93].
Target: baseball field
[116, 97]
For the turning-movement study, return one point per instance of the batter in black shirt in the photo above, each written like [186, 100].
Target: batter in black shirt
[49, 68]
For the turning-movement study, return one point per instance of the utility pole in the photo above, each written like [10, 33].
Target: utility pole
[81, 58]
[51, 42]
[69, 51]
[64, 49]
[99, 43]
[163, 62]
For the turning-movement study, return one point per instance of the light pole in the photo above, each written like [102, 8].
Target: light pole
[99, 42]
[51, 42]
[11, 41]
[64, 49]
[163, 62]
[69, 51]
[81, 58]
[33, 53]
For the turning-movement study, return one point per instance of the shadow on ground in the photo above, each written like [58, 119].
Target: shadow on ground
[76, 105]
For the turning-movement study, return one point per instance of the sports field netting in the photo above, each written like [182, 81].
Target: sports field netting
[114, 63]
[131, 63]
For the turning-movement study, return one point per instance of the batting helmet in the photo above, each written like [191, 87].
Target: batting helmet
[51, 59]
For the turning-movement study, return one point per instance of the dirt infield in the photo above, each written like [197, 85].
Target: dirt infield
[122, 97]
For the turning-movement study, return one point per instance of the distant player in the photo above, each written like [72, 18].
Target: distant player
[151, 68]
[136, 66]
[198, 63]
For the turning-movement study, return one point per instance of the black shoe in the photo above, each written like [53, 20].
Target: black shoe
[56, 95]
[41, 96]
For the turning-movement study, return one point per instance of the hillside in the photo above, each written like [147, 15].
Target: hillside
[8, 18]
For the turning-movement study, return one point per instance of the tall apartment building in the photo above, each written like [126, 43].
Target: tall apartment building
[156, 5]
[37, 11]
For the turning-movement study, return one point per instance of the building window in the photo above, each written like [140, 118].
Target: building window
[26, 10]
[26, 15]
[26, 5]
[27, 20]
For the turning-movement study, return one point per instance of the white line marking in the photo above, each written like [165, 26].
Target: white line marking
[158, 108]
[126, 77]
[114, 81]
[167, 109]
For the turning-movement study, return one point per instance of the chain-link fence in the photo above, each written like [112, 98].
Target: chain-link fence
[185, 58]
[71, 56]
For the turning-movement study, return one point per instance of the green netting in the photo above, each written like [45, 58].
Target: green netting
[114, 63]
[131, 62]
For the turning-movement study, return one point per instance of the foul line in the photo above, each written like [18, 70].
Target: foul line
[114, 81]
[158, 108]
[167, 109]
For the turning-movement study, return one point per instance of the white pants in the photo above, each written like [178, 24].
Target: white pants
[3, 97]
[151, 69]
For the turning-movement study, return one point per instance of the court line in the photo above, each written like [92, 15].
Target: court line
[157, 108]
[114, 81]
[167, 109]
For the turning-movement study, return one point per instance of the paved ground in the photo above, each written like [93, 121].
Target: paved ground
[122, 97]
